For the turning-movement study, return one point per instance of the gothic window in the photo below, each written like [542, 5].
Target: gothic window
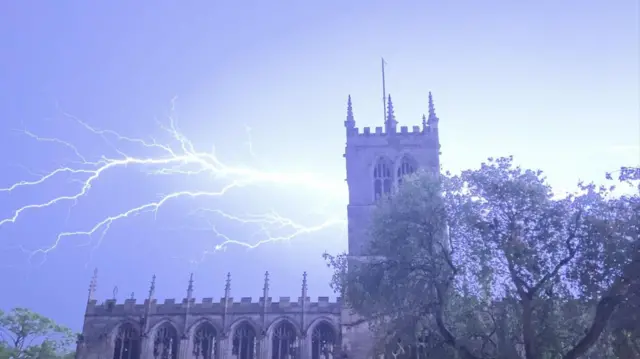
[284, 344]
[205, 345]
[323, 340]
[382, 178]
[127, 344]
[407, 167]
[165, 342]
[244, 342]
[402, 350]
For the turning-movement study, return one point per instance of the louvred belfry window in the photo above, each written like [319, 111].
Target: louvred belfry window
[382, 178]
[407, 166]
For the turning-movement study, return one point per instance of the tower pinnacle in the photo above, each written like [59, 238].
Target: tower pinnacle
[152, 288]
[190, 287]
[391, 122]
[350, 122]
[93, 284]
[265, 289]
[304, 286]
[433, 119]
[227, 286]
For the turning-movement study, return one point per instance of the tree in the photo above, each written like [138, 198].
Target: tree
[28, 335]
[490, 264]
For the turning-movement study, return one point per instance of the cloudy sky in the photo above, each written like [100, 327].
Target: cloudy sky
[256, 94]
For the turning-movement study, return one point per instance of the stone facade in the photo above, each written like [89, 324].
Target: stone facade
[376, 161]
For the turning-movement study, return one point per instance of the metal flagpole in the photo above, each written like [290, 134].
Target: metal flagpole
[384, 93]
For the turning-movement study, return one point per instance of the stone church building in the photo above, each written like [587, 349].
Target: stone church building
[270, 329]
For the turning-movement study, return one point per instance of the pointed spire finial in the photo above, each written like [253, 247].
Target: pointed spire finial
[390, 113]
[227, 286]
[391, 122]
[424, 122]
[132, 296]
[152, 288]
[304, 284]
[190, 287]
[350, 122]
[93, 284]
[265, 289]
[433, 119]
[266, 282]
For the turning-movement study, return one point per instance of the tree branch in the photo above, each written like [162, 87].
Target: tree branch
[605, 308]
[571, 250]
[449, 338]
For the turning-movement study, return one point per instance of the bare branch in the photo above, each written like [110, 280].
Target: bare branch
[571, 250]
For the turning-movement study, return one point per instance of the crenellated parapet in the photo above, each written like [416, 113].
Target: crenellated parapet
[209, 306]
[407, 136]
[423, 136]
[222, 326]
[131, 307]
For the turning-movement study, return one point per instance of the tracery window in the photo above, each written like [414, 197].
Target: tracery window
[420, 349]
[407, 167]
[205, 345]
[244, 342]
[323, 340]
[382, 178]
[284, 344]
[127, 343]
[165, 342]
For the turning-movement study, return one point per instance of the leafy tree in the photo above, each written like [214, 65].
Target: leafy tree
[490, 264]
[28, 335]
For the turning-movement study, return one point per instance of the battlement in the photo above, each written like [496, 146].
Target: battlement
[413, 136]
[130, 307]
[404, 130]
[207, 305]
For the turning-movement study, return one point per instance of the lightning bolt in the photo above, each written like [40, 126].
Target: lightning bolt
[175, 157]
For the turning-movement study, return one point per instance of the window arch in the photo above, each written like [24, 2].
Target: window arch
[165, 342]
[205, 345]
[382, 178]
[407, 166]
[418, 348]
[284, 343]
[244, 342]
[127, 342]
[323, 341]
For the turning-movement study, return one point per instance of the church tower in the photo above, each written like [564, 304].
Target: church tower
[376, 163]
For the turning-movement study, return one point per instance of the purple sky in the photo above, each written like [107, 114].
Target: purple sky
[554, 83]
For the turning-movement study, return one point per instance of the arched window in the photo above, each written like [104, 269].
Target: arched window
[382, 178]
[323, 340]
[205, 345]
[407, 167]
[127, 343]
[420, 348]
[244, 342]
[283, 342]
[165, 342]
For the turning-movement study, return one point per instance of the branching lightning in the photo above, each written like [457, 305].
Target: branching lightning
[177, 157]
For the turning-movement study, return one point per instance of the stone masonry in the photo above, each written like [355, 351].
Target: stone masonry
[376, 161]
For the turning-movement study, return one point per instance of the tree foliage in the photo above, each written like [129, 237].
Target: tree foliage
[25, 334]
[490, 264]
